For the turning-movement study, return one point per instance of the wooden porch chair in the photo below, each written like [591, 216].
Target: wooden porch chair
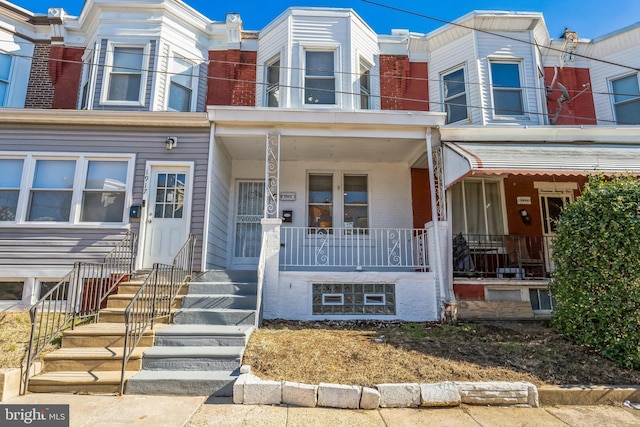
[520, 255]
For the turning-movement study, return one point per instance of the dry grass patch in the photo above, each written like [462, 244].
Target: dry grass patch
[15, 329]
[369, 353]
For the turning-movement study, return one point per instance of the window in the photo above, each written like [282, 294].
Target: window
[125, 76]
[507, 91]
[454, 96]
[10, 187]
[320, 81]
[59, 294]
[72, 189]
[541, 300]
[52, 190]
[626, 100]
[356, 202]
[320, 200]
[365, 86]
[181, 85]
[273, 83]
[353, 299]
[477, 208]
[170, 195]
[11, 291]
[5, 67]
[86, 82]
[104, 194]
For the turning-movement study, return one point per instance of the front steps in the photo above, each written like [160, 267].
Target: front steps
[90, 360]
[201, 353]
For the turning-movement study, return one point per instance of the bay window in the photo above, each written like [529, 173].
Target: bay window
[477, 207]
[454, 95]
[507, 90]
[365, 86]
[320, 80]
[181, 85]
[126, 72]
[5, 67]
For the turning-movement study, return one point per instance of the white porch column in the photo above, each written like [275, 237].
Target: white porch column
[439, 265]
[269, 268]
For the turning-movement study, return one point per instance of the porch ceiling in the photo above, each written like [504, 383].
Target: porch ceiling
[480, 158]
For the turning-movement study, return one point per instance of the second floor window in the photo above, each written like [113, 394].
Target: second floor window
[181, 85]
[125, 76]
[320, 80]
[365, 86]
[5, 67]
[507, 90]
[454, 96]
[626, 100]
[273, 83]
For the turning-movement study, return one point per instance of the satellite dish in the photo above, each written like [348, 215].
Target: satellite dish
[565, 93]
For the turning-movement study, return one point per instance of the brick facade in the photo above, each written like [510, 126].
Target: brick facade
[421, 197]
[40, 91]
[403, 84]
[65, 70]
[232, 78]
[580, 110]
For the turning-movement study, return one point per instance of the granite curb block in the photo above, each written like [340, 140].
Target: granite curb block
[249, 389]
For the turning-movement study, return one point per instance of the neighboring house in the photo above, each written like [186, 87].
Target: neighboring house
[314, 150]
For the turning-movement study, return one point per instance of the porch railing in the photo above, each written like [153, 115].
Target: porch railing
[77, 296]
[502, 256]
[155, 298]
[354, 248]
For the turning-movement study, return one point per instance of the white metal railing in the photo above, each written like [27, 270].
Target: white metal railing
[354, 248]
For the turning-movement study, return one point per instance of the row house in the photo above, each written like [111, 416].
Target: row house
[362, 175]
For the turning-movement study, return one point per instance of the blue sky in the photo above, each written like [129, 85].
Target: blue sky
[590, 18]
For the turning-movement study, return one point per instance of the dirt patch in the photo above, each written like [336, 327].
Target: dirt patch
[368, 353]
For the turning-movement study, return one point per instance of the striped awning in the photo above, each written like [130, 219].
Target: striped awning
[462, 159]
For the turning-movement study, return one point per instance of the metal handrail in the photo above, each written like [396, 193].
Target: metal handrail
[78, 295]
[154, 299]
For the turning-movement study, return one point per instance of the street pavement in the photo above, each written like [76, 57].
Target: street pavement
[178, 411]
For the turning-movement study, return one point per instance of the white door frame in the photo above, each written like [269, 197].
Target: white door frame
[149, 166]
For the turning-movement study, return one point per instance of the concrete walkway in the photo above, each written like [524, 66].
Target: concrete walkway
[133, 411]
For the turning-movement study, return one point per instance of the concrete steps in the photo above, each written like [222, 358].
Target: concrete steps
[92, 359]
[78, 382]
[101, 335]
[200, 354]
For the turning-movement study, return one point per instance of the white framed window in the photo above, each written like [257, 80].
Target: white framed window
[181, 85]
[65, 190]
[365, 85]
[355, 201]
[5, 70]
[320, 200]
[506, 89]
[272, 83]
[88, 78]
[319, 77]
[125, 74]
[454, 95]
[477, 208]
[626, 99]
[541, 300]
[352, 201]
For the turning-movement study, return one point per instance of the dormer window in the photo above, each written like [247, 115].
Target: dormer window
[507, 90]
[320, 80]
[626, 100]
[273, 83]
[181, 85]
[126, 71]
[454, 96]
[365, 86]
[5, 67]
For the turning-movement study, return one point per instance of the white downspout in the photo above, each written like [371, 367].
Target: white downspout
[435, 220]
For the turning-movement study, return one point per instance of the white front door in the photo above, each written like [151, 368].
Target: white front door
[167, 214]
[247, 225]
[552, 204]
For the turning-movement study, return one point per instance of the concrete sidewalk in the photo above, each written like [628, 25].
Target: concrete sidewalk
[134, 410]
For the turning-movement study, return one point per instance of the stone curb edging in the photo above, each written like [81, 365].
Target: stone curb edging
[249, 389]
[10, 381]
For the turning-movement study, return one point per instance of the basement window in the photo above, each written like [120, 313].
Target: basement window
[332, 299]
[352, 299]
[11, 291]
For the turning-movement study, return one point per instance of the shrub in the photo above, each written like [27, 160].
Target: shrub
[596, 284]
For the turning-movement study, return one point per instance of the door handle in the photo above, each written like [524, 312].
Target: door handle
[149, 218]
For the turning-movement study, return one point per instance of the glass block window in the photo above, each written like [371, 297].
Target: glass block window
[376, 299]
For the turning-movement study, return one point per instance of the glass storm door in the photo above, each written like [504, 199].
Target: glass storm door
[167, 221]
[248, 229]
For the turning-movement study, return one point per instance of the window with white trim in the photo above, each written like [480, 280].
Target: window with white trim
[126, 74]
[365, 86]
[541, 300]
[181, 85]
[352, 201]
[626, 100]
[506, 89]
[5, 68]
[454, 95]
[72, 189]
[477, 208]
[320, 79]
[272, 74]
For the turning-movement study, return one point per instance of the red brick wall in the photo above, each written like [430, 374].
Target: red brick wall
[65, 70]
[580, 110]
[421, 197]
[40, 90]
[468, 291]
[403, 84]
[232, 78]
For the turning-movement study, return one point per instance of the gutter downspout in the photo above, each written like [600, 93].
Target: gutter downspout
[435, 220]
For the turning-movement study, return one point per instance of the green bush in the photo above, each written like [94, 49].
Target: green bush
[596, 284]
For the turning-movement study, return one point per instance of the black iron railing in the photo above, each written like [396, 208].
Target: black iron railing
[502, 256]
[155, 298]
[77, 296]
